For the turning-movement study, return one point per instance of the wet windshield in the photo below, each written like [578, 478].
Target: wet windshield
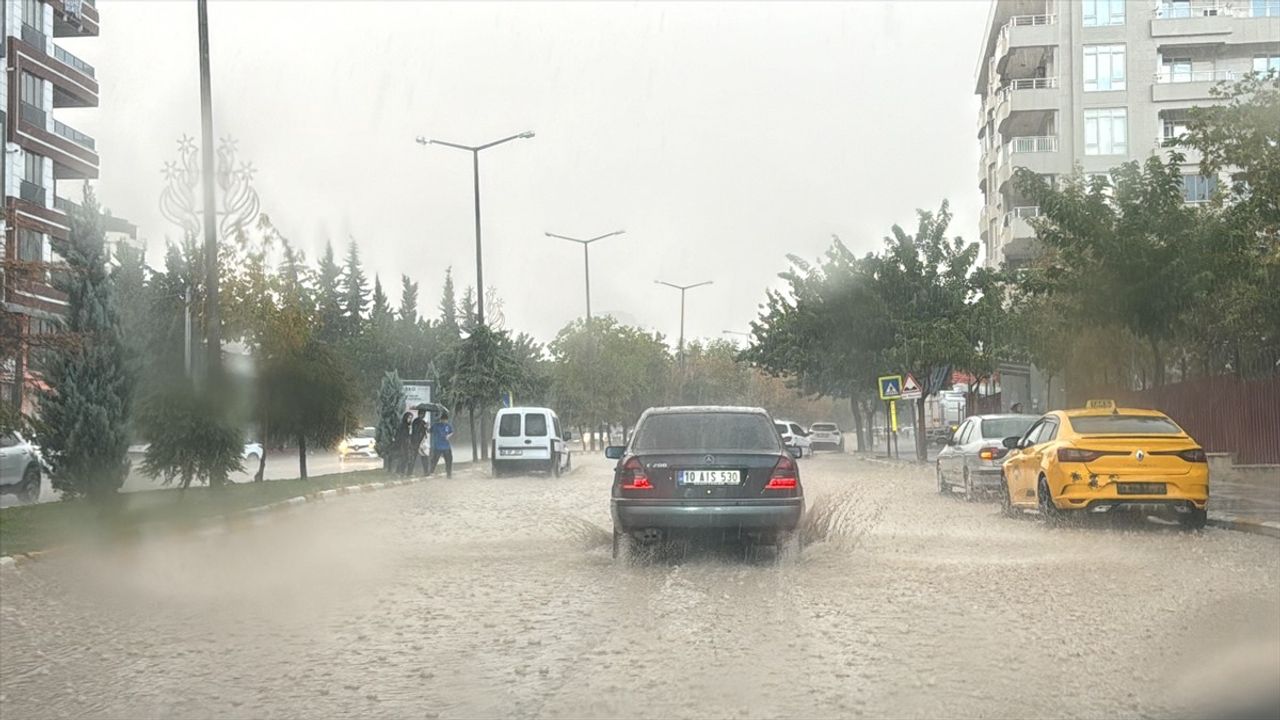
[1123, 425]
[704, 432]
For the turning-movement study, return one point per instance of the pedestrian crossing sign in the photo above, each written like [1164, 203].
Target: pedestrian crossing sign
[890, 387]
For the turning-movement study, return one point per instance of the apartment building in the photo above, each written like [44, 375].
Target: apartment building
[42, 84]
[1097, 83]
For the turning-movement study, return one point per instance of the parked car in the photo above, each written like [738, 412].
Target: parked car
[826, 435]
[530, 438]
[19, 468]
[360, 442]
[1106, 459]
[794, 436]
[970, 459]
[721, 470]
[251, 453]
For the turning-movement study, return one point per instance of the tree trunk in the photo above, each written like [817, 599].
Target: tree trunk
[1048, 393]
[186, 480]
[262, 465]
[484, 434]
[1157, 359]
[302, 457]
[857, 423]
[471, 423]
[626, 433]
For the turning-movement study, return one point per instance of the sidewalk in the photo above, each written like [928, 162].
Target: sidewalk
[1246, 501]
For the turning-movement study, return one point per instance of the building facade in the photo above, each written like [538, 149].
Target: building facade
[41, 79]
[1096, 83]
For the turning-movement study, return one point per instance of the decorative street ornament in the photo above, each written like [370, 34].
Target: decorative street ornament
[239, 204]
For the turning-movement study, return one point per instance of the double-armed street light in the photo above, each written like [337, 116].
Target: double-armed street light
[586, 259]
[683, 289]
[475, 166]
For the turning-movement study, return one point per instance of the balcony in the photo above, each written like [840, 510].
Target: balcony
[64, 205]
[67, 58]
[1025, 95]
[1037, 153]
[1233, 20]
[1016, 221]
[74, 135]
[1025, 31]
[1175, 86]
[74, 18]
[31, 192]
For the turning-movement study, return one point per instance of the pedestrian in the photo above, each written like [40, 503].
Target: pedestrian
[1017, 407]
[417, 434]
[441, 432]
[401, 449]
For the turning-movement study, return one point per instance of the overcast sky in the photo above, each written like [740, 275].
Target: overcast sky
[720, 136]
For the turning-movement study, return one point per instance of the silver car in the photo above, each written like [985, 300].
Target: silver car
[970, 459]
[19, 468]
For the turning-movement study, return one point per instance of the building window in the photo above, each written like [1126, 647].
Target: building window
[1106, 131]
[1173, 128]
[1103, 12]
[1265, 8]
[32, 90]
[1176, 9]
[30, 246]
[1175, 70]
[1266, 63]
[1198, 188]
[1103, 67]
[33, 168]
[33, 14]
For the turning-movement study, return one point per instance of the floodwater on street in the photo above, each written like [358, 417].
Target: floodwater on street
[481, 597]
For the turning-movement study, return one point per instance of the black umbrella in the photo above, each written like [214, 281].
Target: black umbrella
[431, 407]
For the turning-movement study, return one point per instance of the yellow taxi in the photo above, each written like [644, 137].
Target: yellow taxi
[1102, 459]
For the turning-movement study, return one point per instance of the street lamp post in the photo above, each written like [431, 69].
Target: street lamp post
[683, 289]
[586, 260]
[475, 169]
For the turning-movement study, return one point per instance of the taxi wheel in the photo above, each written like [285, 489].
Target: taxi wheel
[1048, 511]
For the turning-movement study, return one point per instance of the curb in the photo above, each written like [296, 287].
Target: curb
[219, 525]
[1253, 526]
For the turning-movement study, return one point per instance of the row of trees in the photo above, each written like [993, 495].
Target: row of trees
[1131, 285]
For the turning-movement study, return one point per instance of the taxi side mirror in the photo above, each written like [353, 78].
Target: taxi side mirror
[1013, 443]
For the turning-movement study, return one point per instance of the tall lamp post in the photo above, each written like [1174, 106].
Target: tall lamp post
[475, 167]
[586, 260]
[213, 322]
[683, 289]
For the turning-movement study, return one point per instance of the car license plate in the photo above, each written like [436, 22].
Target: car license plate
[510, 451]
[1140, 488]
[709, 477]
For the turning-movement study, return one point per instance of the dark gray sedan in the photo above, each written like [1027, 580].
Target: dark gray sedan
[970, 459]
[719, 471]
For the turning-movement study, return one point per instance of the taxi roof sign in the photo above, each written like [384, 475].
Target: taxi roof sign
[1100, 404]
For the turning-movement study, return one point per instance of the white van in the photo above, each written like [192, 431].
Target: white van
[529, 438]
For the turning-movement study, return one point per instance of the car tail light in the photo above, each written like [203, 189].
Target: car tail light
[784, 475]
[1196, 456]
[992, 453]
[634, 476]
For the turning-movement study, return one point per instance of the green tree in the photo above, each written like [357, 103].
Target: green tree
[329, 299]
[408, 312]
[391, 401]
[85, 409]
[449, 304]
[355, 293]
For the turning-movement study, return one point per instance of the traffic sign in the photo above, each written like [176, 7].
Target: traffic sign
[910, 388]
[890, 387]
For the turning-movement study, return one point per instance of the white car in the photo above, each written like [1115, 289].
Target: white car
[19, 468]
[252, 452]
[794, 436]
[360, 442]
[826, 435]
[530, 438]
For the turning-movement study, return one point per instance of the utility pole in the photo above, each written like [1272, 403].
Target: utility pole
[683, 289]
[213, 323]
[586, 258]
[475, 170]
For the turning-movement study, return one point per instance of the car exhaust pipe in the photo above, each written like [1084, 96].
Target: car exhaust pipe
[649, 536]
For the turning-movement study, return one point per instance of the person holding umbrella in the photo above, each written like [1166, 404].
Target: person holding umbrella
[403, 448]
[417, 433]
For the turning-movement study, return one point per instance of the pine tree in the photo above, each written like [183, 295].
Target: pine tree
[380, 313]
[355, 292]
[467, 309]
[328, 300]
[86, 406]
[391, 402]
[408, 302]
[449, 304]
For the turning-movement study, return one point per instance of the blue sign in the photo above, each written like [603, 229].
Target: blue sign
[504, 398]
[890, 387]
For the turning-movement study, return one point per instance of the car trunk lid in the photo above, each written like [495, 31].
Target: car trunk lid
[708, 476]
[1137, 455]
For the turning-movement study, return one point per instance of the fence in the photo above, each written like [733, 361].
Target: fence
[1224, 413]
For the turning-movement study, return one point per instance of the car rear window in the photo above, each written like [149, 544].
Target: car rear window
[823, 427]
[535, 425]
[1124, 425]
[781, 428]
[509, 425]
[705, 432]
[995, 428]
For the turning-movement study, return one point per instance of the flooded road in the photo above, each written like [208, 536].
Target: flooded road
[481, 597]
